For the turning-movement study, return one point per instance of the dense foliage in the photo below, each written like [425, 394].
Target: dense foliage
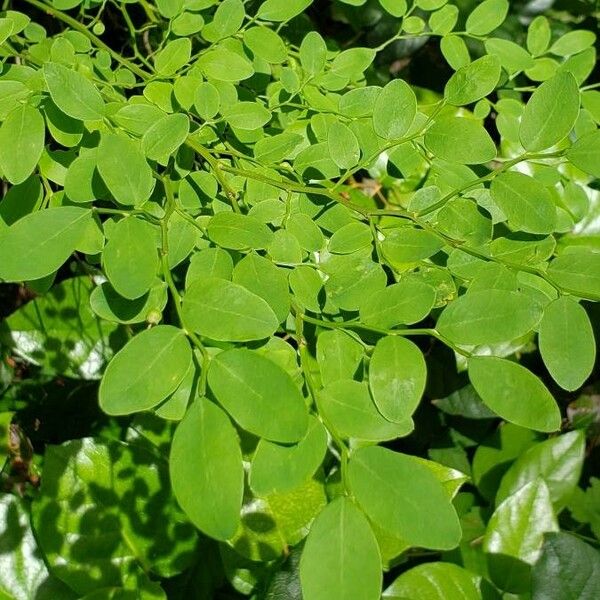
[299, 300]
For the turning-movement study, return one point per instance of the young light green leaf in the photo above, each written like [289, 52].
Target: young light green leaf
[343, 145]
[165, 136]
[223, 64]
[39, 243]
[473, 81]
[489, 317]
[281, 10]
[538, 35]
[145, 371]
[124, 169]
[397, 376]
[130, 257]
[21, 143]
[585, 153]
[460, 140]
[259, 395]
[503, 385]
[279, 468]
[567, 343]
[348, 408]
[341, 557]
[266, 44]
[247, 115]
[73, 93]
[238, 232]
[395, 110]
[525, 201]
[406, 244]
[403, 496]
[173, 57]
[550, 113]
[313, 53]
[406, 302]
[487, 16]
[558, 461]
[206, 470]
[226, 311]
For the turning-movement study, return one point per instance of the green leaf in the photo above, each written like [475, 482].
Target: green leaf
[406, 244]
[573, 42]
[23, 572]
[525, 201]
[247, 115]
[455, 51]
[395, 110]
[567, 344]
[585, 155]
[464, 402]
[175, 55]
[313, 53]
[206, 470]
[130, 258]
[238, 232]
[350, 238]
[207, 100]
[124, 169]
[145, 371]
[396, 8]
[227, 20]
[550, 113]
[210, 262]
[224, 65]
[73, 93]
[403, 496]
[95, 530]
[347, 407]
[460, 140]
[406, 302]
[566, 564]
[165, 136]
[339, 356]
[341, 558]
[21, 143]
[281, 10]
[539, 34]
[463, 219]
[489, 317]
[259, 395]
[261, 277]
[473, 81]
[226, 311]
[343, 145]
[277, 147]
[577, 273]
[435, 581]
[39, 243]
[558, 461]
[502, 384]
[397, 376]
[515, 534]
[279, 468]
[266, 44]
[487, 16]
[513, 57]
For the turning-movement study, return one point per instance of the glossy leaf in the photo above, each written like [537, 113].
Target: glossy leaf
[395, 109]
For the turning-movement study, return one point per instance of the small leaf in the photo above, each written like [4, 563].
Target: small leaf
[259, 395]
[397, 376]
[489, 317]
[39, 243]
[339, 356]
[124, 169]
[550, 113]
[145, 371]
[577, 273]
[343, 146]
[341, 558]
[313, 53]
[173, 57]
[350, 238]
[226, 311]
[278, 468]
[246, 115]
[130, 257]
[503, 385]
[585, 153]
[395, 110]
[487, 16]
[206, 470]
[281, 10]
[403, 496]
[165, 136]
[73, 93]
[22, 136]
[567, 343]
[473, 81]
[460, 140]
[224, 65]
[407, 244]
[238, 232]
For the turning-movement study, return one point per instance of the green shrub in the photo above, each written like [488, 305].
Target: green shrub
[304, 303]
